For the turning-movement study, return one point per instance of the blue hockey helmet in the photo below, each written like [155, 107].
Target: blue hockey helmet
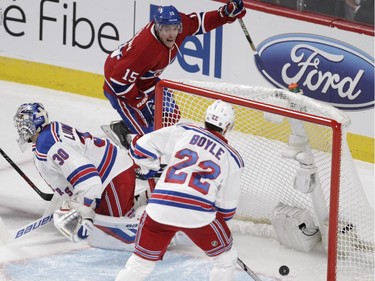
[29, 120]
[167, 15]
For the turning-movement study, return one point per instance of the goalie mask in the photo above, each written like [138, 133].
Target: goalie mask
[29, 121]
[221, 115]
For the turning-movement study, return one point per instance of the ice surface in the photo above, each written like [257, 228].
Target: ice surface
[44, 254]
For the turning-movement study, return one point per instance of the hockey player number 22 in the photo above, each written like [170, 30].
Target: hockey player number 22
[207, 170]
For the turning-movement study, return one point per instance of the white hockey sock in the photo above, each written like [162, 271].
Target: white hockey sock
[136, 269]
[224, 266]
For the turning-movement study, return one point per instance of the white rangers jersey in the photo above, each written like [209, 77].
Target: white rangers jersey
[76, 163]
[202, 176]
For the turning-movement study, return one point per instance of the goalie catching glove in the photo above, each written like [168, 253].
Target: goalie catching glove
[143, 173]
[75, 220]
[145, 167]
[233, 10]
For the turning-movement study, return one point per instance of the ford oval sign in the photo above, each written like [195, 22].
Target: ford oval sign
[325, 69]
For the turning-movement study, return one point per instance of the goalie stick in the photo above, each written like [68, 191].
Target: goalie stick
[7, 237]
[248, 270]
[45, 196]
[47, 217]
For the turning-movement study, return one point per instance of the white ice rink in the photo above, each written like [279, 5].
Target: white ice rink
[45, 255]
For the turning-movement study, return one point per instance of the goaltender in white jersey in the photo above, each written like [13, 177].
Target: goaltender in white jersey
[197, 192]
[75, 162]
[93, 175]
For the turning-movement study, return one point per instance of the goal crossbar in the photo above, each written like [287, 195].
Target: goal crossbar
[336, 153]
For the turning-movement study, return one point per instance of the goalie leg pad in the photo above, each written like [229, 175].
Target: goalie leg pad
[115, 233]
[275, 118]
[141, 195]
[296, 144]
[305, 180]
[295, 228]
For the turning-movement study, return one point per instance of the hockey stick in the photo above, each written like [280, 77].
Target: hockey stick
[258, 61]
[5, 236]
[45, 196]
[248, 270]
[1, 16]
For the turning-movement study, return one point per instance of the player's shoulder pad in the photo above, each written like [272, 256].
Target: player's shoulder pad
[48, 137]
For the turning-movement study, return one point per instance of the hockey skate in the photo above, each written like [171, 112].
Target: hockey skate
[118, 133]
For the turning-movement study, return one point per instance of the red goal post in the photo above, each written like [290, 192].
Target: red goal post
[299, 115]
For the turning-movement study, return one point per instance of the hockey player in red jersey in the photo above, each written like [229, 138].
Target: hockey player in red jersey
[132, 71]
[196, 194]
[94, 177]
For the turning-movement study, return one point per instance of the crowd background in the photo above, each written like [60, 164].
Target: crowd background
[361, 11]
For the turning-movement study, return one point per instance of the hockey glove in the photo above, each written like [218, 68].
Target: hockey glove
[74, 220]
[139, 101]
[143, 106]
[145, 174]
[233, 10]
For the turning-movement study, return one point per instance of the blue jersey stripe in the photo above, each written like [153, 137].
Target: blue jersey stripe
[82, 173]
[181, 200]
[108, 161]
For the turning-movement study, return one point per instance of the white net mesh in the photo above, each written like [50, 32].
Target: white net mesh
[268, 178]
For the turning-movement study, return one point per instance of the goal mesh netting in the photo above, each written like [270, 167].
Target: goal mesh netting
[265, 119]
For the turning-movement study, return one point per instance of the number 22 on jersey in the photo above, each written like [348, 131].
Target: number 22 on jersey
[202, 170]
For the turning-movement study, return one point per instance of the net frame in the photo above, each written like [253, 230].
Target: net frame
[327, 122]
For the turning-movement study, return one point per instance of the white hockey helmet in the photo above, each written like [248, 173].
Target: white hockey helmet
[29, 120]
[221, 115]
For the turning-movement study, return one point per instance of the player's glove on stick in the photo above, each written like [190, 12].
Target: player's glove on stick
[233, 10]
[139, 101]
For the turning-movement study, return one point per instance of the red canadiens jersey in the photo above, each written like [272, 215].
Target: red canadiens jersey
[136, 64]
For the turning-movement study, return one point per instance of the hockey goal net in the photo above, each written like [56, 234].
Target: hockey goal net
[270, 123]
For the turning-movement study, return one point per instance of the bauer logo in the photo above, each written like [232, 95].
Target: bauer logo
[325, 69]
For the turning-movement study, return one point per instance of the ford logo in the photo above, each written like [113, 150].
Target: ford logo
[325, 69]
